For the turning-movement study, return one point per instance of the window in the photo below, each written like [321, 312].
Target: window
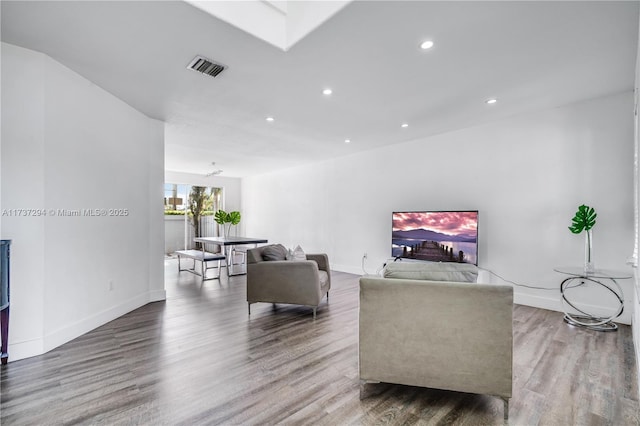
[181, 204]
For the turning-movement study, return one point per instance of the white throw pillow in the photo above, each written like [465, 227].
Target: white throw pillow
[297, 254]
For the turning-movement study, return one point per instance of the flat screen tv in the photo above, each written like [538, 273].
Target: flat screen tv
[437, 236]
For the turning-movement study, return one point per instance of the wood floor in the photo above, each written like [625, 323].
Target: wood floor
[198, 359]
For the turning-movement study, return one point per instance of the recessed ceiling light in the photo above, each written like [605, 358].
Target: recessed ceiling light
[404, 125]
[428, 44]
[491, 101]
[269, 119]
[327, 91]
[347, 141]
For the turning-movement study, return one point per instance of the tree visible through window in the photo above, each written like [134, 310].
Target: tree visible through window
[197, 205]
[200, 203]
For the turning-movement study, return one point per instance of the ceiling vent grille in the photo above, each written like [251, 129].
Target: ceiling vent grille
[205, 66]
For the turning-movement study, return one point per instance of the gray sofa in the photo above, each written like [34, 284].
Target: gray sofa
[273, 279]
[438, 334]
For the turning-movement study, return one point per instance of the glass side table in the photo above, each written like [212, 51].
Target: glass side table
[603, 277]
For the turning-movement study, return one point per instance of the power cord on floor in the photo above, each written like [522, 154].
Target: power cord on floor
[363, 269]
[378, 271]
[521, 285]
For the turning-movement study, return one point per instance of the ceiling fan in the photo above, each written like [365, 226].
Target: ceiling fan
[214, 172]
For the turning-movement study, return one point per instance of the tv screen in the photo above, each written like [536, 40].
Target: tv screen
[437, 236]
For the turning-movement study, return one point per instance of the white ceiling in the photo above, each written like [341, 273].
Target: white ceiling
[529, 55]
[279, 22]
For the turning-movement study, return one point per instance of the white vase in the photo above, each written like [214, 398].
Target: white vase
[589, 266]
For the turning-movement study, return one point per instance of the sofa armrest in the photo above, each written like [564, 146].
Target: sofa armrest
[321, 259]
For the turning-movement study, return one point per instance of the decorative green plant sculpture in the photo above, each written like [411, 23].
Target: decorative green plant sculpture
[227, 219]
[584, 220]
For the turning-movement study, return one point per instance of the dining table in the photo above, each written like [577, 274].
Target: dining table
[227, 245]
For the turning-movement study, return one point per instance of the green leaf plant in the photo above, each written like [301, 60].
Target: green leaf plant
[584, 219]
[226, 219]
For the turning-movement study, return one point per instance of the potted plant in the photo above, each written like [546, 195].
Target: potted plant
[226, 220]
[584, 220]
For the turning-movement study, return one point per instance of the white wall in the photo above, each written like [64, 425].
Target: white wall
[636, 297]
[526, 175]
[67, 144]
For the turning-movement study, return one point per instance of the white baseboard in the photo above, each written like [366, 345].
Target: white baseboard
[157, 295]
[543, 302]
[27, 349]
[65, 334]
[349, 269]
[554, 304]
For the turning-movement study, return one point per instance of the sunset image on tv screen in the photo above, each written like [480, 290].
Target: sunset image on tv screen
[450, 236]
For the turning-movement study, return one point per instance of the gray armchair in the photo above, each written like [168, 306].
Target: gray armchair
[299, 282]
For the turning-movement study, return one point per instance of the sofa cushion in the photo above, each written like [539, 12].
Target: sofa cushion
[274, 252]
[432, 271]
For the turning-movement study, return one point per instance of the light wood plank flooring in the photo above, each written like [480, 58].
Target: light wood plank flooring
[198, 359]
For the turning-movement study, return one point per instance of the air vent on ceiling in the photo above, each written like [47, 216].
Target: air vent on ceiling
[205, 66]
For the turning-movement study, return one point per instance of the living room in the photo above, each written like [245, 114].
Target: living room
[525, 172]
